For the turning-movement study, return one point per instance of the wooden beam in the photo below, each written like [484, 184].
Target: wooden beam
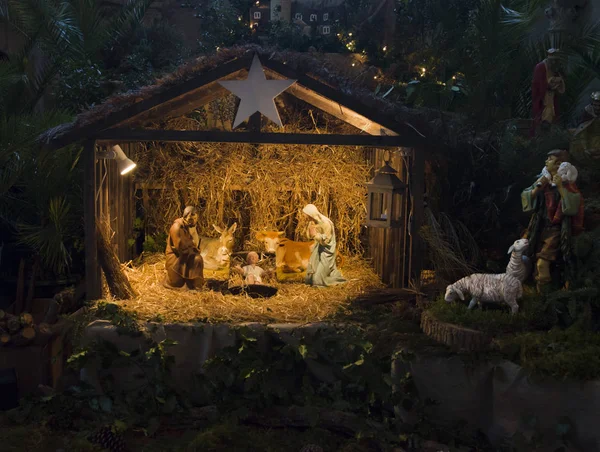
[127, 135]
[334, 108]
[92, 268]
[185, 103]
[146, 104]
[342, 99]
[418, 208]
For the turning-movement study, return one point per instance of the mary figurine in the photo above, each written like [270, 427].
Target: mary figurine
[322, 270]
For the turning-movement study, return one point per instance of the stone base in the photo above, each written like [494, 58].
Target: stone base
[499, 398]
[196, 343]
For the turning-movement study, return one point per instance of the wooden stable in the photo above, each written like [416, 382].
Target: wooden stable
[396, 253]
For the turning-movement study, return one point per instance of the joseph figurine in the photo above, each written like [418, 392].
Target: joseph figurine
[557, 207]
[184, 263]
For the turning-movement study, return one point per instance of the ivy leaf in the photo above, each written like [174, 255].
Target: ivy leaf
[360, 362]
[302, 350]
[248, 373]
[120, 426]
[160, 400]
[169, 342]
[124, 353]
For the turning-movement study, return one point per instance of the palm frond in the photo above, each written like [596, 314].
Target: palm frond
[127, 20]
[48, 240]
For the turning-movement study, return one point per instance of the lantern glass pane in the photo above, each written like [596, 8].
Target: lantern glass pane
[397, 206]
[379, 209]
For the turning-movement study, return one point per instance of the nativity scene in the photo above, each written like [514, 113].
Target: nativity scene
[349, 244]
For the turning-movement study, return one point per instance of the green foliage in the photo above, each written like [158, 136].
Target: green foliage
[222, 24]
[233, 436]
[336, 370]
[155, 243]
[531, 315]
[142, 404]
[81, 85]
[126, 322]
[288, 36]
[570, 353]
[39, 198]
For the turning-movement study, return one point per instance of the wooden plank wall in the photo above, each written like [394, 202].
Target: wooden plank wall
[115, 198]
[389, 249]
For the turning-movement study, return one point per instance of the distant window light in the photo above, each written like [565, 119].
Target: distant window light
[326, 16]
[298, 16]
[313, 17]
[326, 30]
[257, 14]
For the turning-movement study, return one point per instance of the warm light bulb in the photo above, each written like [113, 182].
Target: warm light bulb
[349, 34]
[454, 77]
[384, 48]
[375, 77]
[353, 64]
[128, 169]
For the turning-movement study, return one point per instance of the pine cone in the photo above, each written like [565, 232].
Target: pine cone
[107, 438]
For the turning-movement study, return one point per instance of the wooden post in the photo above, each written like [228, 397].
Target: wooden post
[92, 269]
[418, 191]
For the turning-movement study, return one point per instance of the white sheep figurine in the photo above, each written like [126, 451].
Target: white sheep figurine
[519, 265]
[566, 171]
[491, 288]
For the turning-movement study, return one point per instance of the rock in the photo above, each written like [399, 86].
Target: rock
[498, 397]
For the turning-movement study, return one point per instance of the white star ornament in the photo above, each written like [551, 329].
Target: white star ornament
[256, 93]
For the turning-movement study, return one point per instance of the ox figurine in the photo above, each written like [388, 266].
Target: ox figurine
[216, 251]
[290, 256]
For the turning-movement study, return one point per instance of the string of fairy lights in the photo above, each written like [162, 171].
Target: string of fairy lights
[350, 42]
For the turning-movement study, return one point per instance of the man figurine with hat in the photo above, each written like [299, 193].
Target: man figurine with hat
[557, 207]
[547, 82]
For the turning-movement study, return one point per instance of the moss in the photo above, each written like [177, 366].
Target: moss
[230, 436]
[20, 438]
[571, 353]
[531, 316]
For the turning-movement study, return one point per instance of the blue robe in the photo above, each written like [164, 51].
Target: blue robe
[322, 270]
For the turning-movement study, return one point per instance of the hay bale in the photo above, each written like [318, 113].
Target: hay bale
[293, 303]
[267, 186]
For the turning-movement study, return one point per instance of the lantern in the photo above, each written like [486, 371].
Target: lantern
[384, 203]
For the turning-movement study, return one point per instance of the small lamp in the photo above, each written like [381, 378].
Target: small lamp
[385, 194]
[124, 164]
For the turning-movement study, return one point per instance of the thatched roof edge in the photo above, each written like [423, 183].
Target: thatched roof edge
[314, 65]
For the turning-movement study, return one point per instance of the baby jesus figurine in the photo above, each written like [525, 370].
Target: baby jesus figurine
[252, 273]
